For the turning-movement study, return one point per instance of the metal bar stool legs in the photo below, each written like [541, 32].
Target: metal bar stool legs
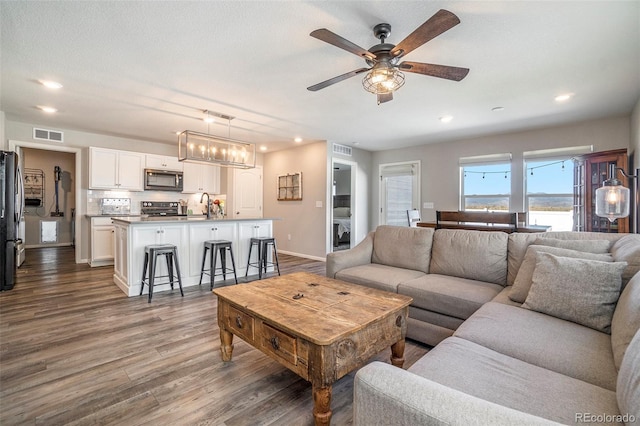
[221, 247]
[262, 262]
[151, 253]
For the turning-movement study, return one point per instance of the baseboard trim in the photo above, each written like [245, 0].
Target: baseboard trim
[306, 256]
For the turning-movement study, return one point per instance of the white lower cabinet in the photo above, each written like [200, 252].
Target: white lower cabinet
[200, 233]
[246, 231]
[189, 237]
[102, 241]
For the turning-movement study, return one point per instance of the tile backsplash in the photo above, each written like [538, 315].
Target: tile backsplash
[193, 200]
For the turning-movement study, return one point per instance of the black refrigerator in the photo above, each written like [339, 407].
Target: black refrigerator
[11, 211]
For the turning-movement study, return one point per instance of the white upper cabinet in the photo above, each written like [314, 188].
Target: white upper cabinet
[162, 162]
[113, 169]
[201, 178]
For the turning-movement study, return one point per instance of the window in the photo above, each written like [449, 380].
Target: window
[549, 192]
[399, 192]
[485, 183]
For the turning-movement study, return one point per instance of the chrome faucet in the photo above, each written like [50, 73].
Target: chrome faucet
[208, 204]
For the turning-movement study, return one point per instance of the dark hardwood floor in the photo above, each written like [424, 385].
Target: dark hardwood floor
[75, 350]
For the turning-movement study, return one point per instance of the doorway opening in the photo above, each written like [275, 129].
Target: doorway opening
[48, 212]
[343, 216]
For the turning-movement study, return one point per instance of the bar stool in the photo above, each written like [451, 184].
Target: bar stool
[263, 243]
[217, 246]
[151, 253]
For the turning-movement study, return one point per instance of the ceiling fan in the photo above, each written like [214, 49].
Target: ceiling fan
[384, 75]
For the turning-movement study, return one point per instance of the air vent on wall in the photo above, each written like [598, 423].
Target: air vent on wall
[341, 149]
[48, 135]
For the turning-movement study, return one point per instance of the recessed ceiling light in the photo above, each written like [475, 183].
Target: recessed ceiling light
[298, 139]
[47, 109]
[177, 133]
[446, 118]
[564, 97]
[263, 148]
[50, 84]
[496, 109]
[356, 143]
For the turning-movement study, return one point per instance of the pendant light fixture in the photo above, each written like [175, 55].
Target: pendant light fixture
[196, 147]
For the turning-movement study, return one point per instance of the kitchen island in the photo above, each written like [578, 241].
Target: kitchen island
[188, 234]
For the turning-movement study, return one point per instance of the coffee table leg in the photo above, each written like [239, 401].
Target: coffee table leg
[322, 405]
[397, 353]
[226, 344]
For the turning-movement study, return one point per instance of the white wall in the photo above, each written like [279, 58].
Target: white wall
[303, 220]
[440, 180]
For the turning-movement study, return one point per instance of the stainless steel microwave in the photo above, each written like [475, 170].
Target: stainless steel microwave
[162, 180]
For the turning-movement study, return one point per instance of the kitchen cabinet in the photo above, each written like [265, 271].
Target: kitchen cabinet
[201, 232]
[162, 162]
[590, 171]
[201, 178]
[113, 169]
[102, 241]
[189, 235]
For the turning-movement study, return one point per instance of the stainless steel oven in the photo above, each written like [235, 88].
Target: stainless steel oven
[162, 180]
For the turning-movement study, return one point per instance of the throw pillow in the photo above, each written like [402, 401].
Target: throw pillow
[590, 246]
[577, 290]
[627, 249]
[522, 283]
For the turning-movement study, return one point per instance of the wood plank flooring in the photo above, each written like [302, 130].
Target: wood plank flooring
[75, 350]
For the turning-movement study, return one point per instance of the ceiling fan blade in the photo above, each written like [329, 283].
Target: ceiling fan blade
[442, 21]
[441, 71]
[335, 80]
[332, 38]
[384, 97]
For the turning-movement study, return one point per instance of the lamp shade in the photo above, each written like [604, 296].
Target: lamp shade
[612, 200]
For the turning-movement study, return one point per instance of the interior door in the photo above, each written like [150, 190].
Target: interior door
[399, 192]
[247, 193]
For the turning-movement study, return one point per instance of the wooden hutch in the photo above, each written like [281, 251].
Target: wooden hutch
[590, 171]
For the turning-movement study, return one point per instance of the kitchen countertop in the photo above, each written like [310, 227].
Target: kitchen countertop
[181, 219]
[90, 215]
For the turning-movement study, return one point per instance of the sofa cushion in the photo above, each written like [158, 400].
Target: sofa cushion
[408, 248]
[435, 318]
[476, 255]
[378, 276]
[453, 296]
[522, 284]
[626, 319]
[503, 297]
[495, 377]
[548, 342]
[589, 246]
[578, 290]
[628, 390]
[519, 241]
[627, 249]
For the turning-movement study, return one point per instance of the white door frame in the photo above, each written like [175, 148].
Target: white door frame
[382, 197]
[354, 204]
[78, 183]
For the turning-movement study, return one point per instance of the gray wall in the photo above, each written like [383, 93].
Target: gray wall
[634, 147]
[342, 178]
[440, 179]
[303, 220]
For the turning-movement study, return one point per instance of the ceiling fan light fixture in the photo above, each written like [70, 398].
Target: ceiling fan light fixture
[383, 78]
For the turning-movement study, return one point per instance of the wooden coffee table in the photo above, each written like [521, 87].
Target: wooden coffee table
[317, 327]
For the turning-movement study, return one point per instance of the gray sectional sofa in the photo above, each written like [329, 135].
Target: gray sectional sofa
[510, 315]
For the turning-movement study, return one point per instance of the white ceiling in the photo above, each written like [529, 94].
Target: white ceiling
[146, 69]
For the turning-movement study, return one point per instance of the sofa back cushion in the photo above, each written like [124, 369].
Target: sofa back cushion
[628, 385]
[408, 248]
[627, 249]
[518, 243]
[476, 255]
[626, 319]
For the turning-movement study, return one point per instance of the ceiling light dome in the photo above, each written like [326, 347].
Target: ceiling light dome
[383, 78]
